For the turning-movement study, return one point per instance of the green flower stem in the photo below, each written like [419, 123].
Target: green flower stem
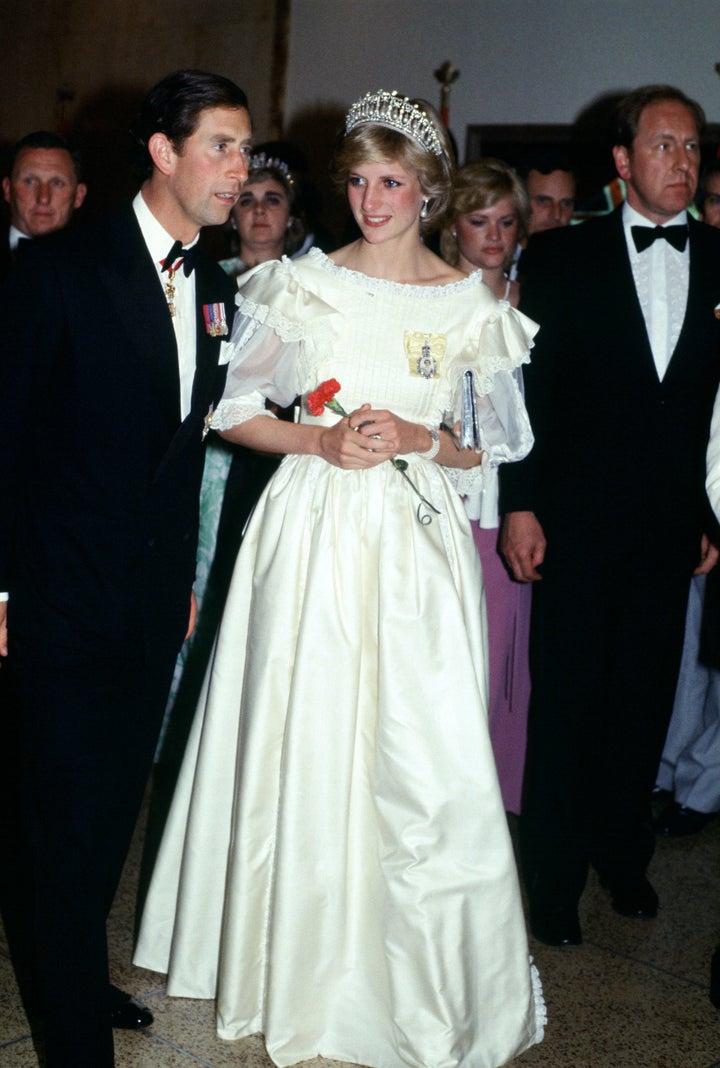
[399, 465]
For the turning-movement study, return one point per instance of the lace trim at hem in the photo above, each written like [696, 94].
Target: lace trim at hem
[539, 999]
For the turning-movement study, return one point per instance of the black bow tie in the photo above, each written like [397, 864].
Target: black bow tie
[178, 252]
[643, 236]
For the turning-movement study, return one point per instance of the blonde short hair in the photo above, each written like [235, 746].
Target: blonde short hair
[480, 185]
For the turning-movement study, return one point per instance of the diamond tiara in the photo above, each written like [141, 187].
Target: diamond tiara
[397, 113]
[259, 162]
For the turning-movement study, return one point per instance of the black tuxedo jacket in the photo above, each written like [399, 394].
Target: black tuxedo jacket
[99, 477]
[619, 459]
[6, 258]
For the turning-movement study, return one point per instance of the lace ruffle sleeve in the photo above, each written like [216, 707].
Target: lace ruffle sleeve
[502, 427]
[277, 326]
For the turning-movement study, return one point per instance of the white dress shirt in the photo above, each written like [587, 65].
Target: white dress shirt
[159, 243]
[662, 275]
[15, 236]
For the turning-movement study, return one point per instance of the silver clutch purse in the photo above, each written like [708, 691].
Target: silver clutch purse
[469, 429]
[463, 423]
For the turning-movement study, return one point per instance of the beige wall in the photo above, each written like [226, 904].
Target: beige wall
[521, 61]
[103, 55]
[91, 48]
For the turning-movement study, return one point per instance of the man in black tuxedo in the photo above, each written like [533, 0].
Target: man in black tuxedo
[111, 363]
[609, 509]
[43, 188]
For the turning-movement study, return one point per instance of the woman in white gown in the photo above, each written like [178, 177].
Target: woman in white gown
[336, 870]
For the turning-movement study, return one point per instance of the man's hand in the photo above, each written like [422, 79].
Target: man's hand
[3, 629]
[193, 614]
[709, 554]
[522, 543]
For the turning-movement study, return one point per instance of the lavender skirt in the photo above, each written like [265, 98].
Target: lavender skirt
[508, 612]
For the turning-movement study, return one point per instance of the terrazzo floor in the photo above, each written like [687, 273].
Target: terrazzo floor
[635, 995]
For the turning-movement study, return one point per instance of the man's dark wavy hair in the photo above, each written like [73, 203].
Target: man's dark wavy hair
[173, 108]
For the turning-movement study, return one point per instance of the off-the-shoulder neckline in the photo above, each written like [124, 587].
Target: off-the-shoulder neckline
[324, 261]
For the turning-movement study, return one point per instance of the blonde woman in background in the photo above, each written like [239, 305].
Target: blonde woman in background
[487, 220]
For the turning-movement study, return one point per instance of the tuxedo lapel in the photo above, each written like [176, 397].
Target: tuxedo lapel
[211, 287]
[129, 276]
[700, 303]
[207, 348]
[613, 289]
[5, 256]
[130, 279]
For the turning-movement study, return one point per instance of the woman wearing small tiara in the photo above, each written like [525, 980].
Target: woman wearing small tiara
[267, 216]
[268, 225]
[336, 869]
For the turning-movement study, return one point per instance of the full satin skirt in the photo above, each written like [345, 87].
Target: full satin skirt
[336, 869]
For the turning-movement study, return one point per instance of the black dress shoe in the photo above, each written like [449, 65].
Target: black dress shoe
[676, 821]
[131, 1017]
[636, 899]
[127, 1014]
[556, 926]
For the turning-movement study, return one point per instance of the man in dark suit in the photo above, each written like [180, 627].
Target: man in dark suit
[550, 185]
[43, 188]
[110, 366]
[609, 509]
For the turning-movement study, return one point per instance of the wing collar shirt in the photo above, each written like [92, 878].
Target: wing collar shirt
[661, 276]
[159, 242]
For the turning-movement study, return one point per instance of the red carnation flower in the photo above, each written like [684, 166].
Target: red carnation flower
[324, 394]
[324, 397]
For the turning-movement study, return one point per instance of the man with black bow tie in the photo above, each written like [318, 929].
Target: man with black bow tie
[111, 363]
[609, 510]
